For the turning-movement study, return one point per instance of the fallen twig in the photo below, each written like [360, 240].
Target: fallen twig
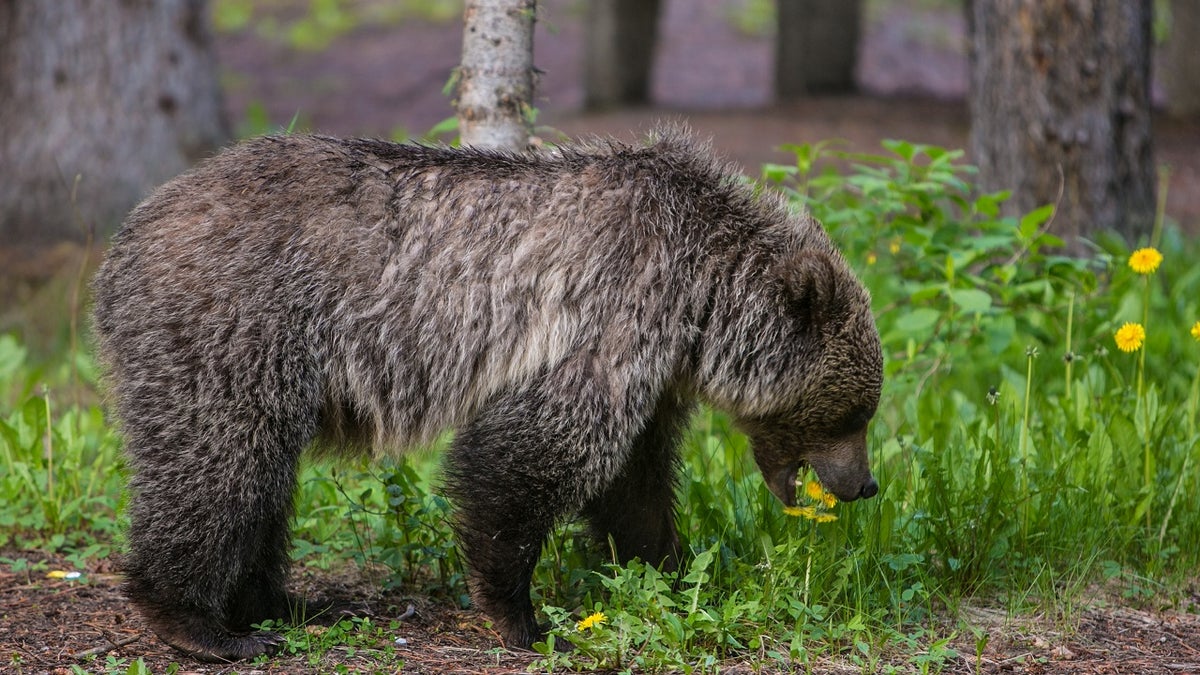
[97, 651]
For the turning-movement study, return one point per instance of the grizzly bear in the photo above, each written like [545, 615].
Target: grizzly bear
[563, 311]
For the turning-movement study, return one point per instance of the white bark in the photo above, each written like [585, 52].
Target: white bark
[495, 89]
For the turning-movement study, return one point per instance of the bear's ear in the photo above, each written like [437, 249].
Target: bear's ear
[811, 287]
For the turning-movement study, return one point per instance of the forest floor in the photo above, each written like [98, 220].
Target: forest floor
[54, 624]
[380, 79]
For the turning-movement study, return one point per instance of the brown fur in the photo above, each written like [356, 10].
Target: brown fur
[563, 311]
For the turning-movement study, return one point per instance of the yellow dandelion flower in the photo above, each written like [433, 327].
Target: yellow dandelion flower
[814, 490]
[1130, 337]
[1196, 330]
[894, 245]
[818, 494]
[801, 511]
[809, 512]
[1145, 260]
[872, 258]
[591, 621]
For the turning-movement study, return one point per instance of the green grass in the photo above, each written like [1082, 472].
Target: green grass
[1012, 476]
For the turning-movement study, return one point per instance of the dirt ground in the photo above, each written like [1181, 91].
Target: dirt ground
[53, 624]
[379, 79]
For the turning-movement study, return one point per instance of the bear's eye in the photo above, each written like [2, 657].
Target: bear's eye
[854, 421]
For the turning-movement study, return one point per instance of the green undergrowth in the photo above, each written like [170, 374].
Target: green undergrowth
[60, 483]
[313, 26]
[1025, 462]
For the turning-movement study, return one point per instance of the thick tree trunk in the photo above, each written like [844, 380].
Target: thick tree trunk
[619, 57]
[495, 89]
[1181, 67]
[1060, 104]
[816, 47]
[100, 101]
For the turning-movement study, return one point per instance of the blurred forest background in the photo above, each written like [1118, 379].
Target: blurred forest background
[84, 137]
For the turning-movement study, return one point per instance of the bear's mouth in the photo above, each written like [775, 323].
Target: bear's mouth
[782, 483]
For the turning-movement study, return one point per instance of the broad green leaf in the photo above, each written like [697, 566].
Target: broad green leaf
[918, 320]
[1031, 221]
[971, 299]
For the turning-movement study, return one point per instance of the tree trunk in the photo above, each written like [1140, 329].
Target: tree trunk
[1060, 104]
[495, 88]
[619, 57]
[1181, 67]
[816, 47]
[100, 101]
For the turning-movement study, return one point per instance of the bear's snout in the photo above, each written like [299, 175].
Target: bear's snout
[869, 490]
[847, 487]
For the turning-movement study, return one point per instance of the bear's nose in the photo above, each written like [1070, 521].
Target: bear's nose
[869, 490]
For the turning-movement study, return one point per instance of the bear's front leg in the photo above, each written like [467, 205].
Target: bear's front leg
[636, 510]
[526, 461]
[502, 550]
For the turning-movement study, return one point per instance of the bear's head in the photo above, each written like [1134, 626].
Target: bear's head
[824, 365]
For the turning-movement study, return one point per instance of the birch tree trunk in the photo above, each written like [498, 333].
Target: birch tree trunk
[100, 101]
[1060, 104]
[495, 88]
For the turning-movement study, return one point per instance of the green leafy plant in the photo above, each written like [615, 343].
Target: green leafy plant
[348, 636]
[57, 463]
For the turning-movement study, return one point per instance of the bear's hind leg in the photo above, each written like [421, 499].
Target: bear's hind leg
[192, 570]
[262, 593]
[208, 539]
